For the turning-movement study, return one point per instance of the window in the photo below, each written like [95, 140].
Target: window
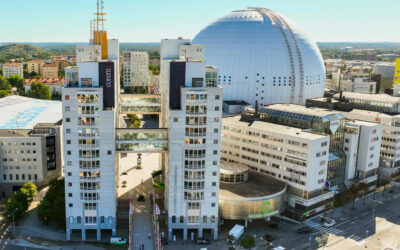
[68, 131]
[70, 205]
[67, 119]
[173, 219]
[69, 184]
[215, 152]
[78, 219]
[215, 130]
[322, 162]
[215, 141]
[204, 219]
[69, 194]
[214, 163]
[68, 141]
[212, 204]
[216, 108]
[213, 219]
[324, 144]
[214, 173]
[216, 119]
[181, 219]
[347, 140]
[175, 119]
[69, 163]
[11, 177]
[68, 152]
[217, 97]
[4, 177]
[69, 174]
[67, 109]
[213, 194]
[109, 152]
[214, 184]
[36, 177]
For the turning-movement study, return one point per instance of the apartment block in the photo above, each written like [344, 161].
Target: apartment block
[12, 69]
[35, 66]
[192, 111]
[50, 70]
[136, 69]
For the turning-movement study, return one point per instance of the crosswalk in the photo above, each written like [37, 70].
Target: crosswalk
[336, 231]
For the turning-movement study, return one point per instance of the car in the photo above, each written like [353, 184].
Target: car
[330, 223]
[305, 230]
[202, 241]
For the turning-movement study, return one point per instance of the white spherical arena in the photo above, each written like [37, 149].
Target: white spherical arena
[263, 56]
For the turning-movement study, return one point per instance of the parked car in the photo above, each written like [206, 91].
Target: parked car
[202, 241]
[305, 230]
[330, 223]
[117, 241]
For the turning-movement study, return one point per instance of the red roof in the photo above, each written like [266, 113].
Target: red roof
[46, 81]
[13, 64]
[49, 65]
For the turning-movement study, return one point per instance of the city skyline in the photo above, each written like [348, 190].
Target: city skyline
[151, 21]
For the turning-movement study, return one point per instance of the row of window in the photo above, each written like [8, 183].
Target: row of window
[19, 151]
[18, 143]
[19, 167]
[23, 177]
[17, 159]
[194, 219]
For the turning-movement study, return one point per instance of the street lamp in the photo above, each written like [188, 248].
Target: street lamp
[12, 214]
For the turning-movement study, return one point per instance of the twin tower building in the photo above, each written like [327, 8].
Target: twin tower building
[94, 135]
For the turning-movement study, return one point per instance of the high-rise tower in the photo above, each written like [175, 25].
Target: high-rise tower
[90, 117]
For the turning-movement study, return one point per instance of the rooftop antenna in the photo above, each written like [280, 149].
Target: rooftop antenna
[100, 35]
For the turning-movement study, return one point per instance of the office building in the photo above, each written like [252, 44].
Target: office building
[136, 69]
[271, 61]
[13, 69]
[191, 110]
[30, 142]
[297, 156]
[90, 118]
[35, 66]
[49, 70]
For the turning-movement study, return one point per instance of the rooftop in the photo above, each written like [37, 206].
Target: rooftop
[18, 112]
[49, 65]
[273, 128]
[12, 64]
[236, 102]
[258, 185]
[300, 109]
[377, 97]
[46, 81]
[230, 167]
[15, 133]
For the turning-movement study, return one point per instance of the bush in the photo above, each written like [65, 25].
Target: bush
[52, 207]
[248, 241]
[39, 91]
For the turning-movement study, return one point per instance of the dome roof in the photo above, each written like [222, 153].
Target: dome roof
[263, 56]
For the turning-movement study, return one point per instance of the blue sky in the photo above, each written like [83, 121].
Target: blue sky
[151, 20]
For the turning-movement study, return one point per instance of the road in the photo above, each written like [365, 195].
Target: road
[357, 228]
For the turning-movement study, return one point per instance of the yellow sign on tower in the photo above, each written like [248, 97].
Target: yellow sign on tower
[396, 79]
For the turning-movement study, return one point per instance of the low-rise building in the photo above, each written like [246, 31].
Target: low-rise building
[12, 69]
[55, 84]
[30, 142]
[50, 70]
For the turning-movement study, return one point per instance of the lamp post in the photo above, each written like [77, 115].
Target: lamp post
[13, 220]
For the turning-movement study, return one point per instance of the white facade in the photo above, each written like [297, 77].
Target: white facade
[290, 154]
[90, 118]
[263, 56]
[12, 69]
[362, 147]
[136, 69]
[192, 112]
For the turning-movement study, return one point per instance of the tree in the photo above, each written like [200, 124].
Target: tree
[5, 85]
[17, 82]
[19, 202]
[134, 120]
[52, 207]
[248, 241]
[4, 93]
[40, 91]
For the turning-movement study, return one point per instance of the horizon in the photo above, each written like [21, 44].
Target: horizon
[149, 22]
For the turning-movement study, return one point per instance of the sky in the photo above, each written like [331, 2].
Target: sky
[152, 20]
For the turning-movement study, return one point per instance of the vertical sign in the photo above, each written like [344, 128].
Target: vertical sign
[107, 81]
[396, 78]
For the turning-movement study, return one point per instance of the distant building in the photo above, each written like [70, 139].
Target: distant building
[55, 84]
[30, 142]
[35, 66]
[136, 68]
[349, 82]
[386, 70]
[50, 70]
[12, 69]
[60, 62]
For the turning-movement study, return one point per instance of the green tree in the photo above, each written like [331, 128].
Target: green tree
[52, 207]
[5, 85]
[40, 91]
[248, 241]
[30, 190]
[19, 202]
[4, 93]
[134, 120]
[17, 82]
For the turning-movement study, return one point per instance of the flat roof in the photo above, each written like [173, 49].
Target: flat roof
[15, 133]
[258, 185]
[377, 97]
[274, 128]
[18, 112]
[236, 102]
[300, 109]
